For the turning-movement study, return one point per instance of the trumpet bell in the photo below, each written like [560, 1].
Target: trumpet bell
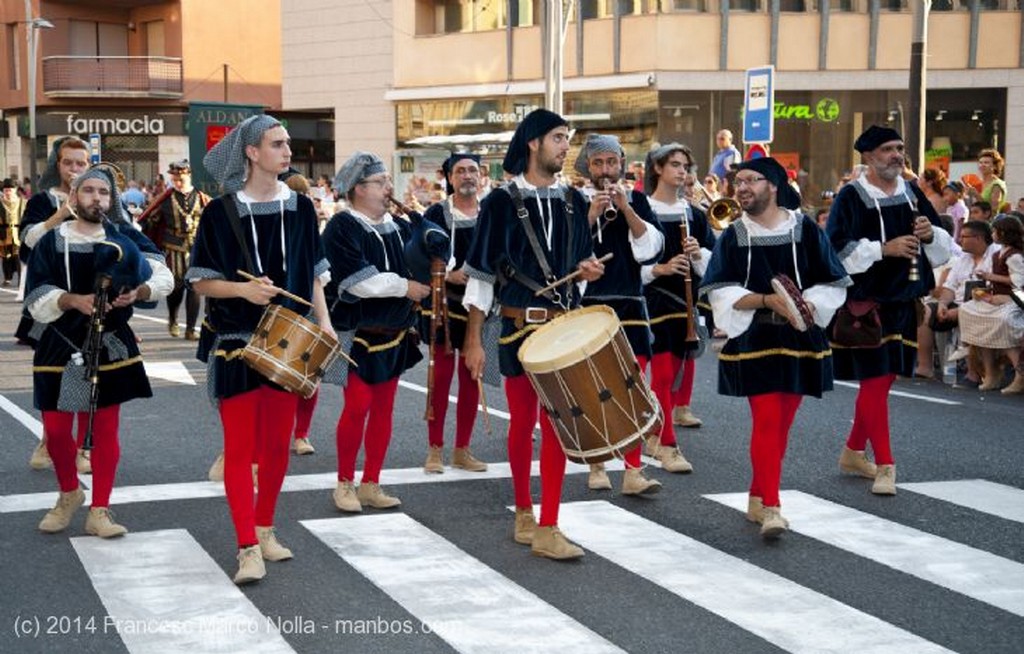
[722, 212]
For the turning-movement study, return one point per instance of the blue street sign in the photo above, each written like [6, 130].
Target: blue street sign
[95, 149]
[759, 105]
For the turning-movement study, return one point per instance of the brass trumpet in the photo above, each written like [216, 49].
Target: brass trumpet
[722, 212]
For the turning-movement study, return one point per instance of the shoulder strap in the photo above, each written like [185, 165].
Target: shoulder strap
[236, 226]
[538, 252]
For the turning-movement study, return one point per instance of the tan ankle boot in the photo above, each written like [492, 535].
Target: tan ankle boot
[551, 543]
[371, 494]
[755, 509]
[101, 523]
[1016, 386]
[672, 460]
[652, 445]
[270, 547]
[250, 565]
[773, 524]
[682, 416]
[59, 517]
[526, 526]
[598, 478]
[303, 447]
[83, 462]
[464, 459]
[634, 483]
[40, 459]
[217, 469]
[855, 462]
[435, 462]
[885, 481]
[345, 497]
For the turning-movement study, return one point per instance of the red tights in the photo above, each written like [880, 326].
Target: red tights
[773, 415]
[465, 408]
[63, 448]
[257, 428]
[304, 415]
[664, 370]
[524, 410]
[871, 418]
[367, 415]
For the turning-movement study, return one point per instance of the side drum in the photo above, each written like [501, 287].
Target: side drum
[590, 385]
[290, 351]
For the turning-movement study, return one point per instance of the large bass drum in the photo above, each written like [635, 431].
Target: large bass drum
[590, 385]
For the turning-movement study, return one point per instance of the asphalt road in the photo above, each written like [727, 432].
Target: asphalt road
[938, 566]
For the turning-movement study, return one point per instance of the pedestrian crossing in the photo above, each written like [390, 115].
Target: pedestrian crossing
[166, 594]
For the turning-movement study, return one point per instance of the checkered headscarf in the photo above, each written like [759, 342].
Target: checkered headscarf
[226, 162]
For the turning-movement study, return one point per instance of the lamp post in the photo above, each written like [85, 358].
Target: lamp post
[31, 25]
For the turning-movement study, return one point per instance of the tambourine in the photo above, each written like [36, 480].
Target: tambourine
[795, 304]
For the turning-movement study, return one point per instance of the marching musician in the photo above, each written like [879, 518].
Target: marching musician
[375, 297]
[265, 229]
[551, 240]
[60, 297]
[622, 224]
[775, 354]
[457, 215]
[883, 229]
[12, 206]
[171, 223]
[669, 168]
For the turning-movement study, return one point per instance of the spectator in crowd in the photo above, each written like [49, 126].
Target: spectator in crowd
[942, 315]
[711, 186]
[953, 195]
[1020, 205]
[980, 210]
[821, 216]
[133, 197]
[993, 188]
[991, 322]
[726, 157]
[932, 183]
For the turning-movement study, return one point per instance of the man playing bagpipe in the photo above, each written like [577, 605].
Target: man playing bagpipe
[83, 278]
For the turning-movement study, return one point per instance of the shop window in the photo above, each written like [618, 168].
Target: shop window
[595, 9]
[671, 6]
[745, 5]
[793, 6]
[894, 5]
[841, 5]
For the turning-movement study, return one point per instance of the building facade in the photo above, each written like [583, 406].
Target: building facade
[438, 73]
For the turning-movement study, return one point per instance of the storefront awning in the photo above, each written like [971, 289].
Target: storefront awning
[463, 139]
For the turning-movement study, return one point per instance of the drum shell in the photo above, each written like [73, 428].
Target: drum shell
[290, 351]
[573, 395]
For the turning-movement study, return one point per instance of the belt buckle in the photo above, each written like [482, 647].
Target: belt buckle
[534, 315]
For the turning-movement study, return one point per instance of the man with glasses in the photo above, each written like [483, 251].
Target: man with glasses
[374, 297]
[889, 238]
[775, 354]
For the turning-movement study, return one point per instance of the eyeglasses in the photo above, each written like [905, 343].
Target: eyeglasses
[378, 181]
[748, 181]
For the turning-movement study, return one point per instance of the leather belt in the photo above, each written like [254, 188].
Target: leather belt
[530, 315]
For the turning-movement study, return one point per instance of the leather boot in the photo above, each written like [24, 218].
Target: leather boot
[885, 480]
[270, 547]
[634, 483]
[40, 459]
[464, 459]
[101, 523]
[1016, 386]
[435, 460]
[598, 478]
[345, 497]
[855, 462]
[652, 445]
[250, 565]
[526, 526]
[551, 543]
[371, 494]
[83, 461]
[302, 446]
[755, 509]
[772, 523]
[672, 460]
[58, 518]
[217, 469]
[682, 416]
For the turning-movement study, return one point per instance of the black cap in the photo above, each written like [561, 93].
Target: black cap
[786, 195]
[450, 162]
[875, 136]
[536, 124]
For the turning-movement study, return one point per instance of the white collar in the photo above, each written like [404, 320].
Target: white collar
[757, 229]
[282, 194]
[877, 193]
[521, 182]
[386, 218]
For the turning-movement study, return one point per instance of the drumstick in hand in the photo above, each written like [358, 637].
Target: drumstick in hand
[290, 296]
[483, 404]
[568, 278]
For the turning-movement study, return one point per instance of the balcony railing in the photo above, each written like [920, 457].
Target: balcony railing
[114, 77]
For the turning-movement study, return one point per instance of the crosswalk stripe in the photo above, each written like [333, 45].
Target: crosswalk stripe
[978, 494]
[774, 608]
[469, 605]
[191, 490]
[163, 593]
[972, 572]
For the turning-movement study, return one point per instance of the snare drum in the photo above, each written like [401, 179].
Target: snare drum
[290, 351]
[590, 385]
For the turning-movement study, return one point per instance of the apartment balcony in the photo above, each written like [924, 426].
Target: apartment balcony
[112, 77]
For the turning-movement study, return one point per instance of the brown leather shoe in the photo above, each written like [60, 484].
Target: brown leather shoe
[250, 565]
[855, 462]
[598, 478]
[59, 517]
[216, 472]
[683, 416]
[672, 460]
[302, 446]
[345, 498]
[435, 460]
[83, 462]
[270, 547]
[464, 459]
[40, 459]
[101, 523]
[551, 543]
[773, 524]
[755, 509]
[885, 480]
[634, 483]
[526, 526]
[371, 494]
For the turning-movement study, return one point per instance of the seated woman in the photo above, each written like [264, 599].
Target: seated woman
[992, 322]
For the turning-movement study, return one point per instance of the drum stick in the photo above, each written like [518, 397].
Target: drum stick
[281, 291]
[483, 403]
[568, 278]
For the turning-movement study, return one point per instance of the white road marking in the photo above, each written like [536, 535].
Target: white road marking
[36, 427]
[972, 572]
[978, 494]
[163, 593]
[173, 371]
[913, 396]
[782, 612]
[469, 605]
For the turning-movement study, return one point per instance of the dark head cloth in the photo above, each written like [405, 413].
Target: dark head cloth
[450, 162]
[786, 196]
[358, 167]
[10, 183]
[536, 124]
[875, 136]
[179, 167]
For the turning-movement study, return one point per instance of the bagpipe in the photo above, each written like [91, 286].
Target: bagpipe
[426, 256]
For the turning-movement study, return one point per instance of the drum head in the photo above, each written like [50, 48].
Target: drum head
[569, 339]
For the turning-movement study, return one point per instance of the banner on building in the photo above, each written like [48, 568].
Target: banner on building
[208, 122]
